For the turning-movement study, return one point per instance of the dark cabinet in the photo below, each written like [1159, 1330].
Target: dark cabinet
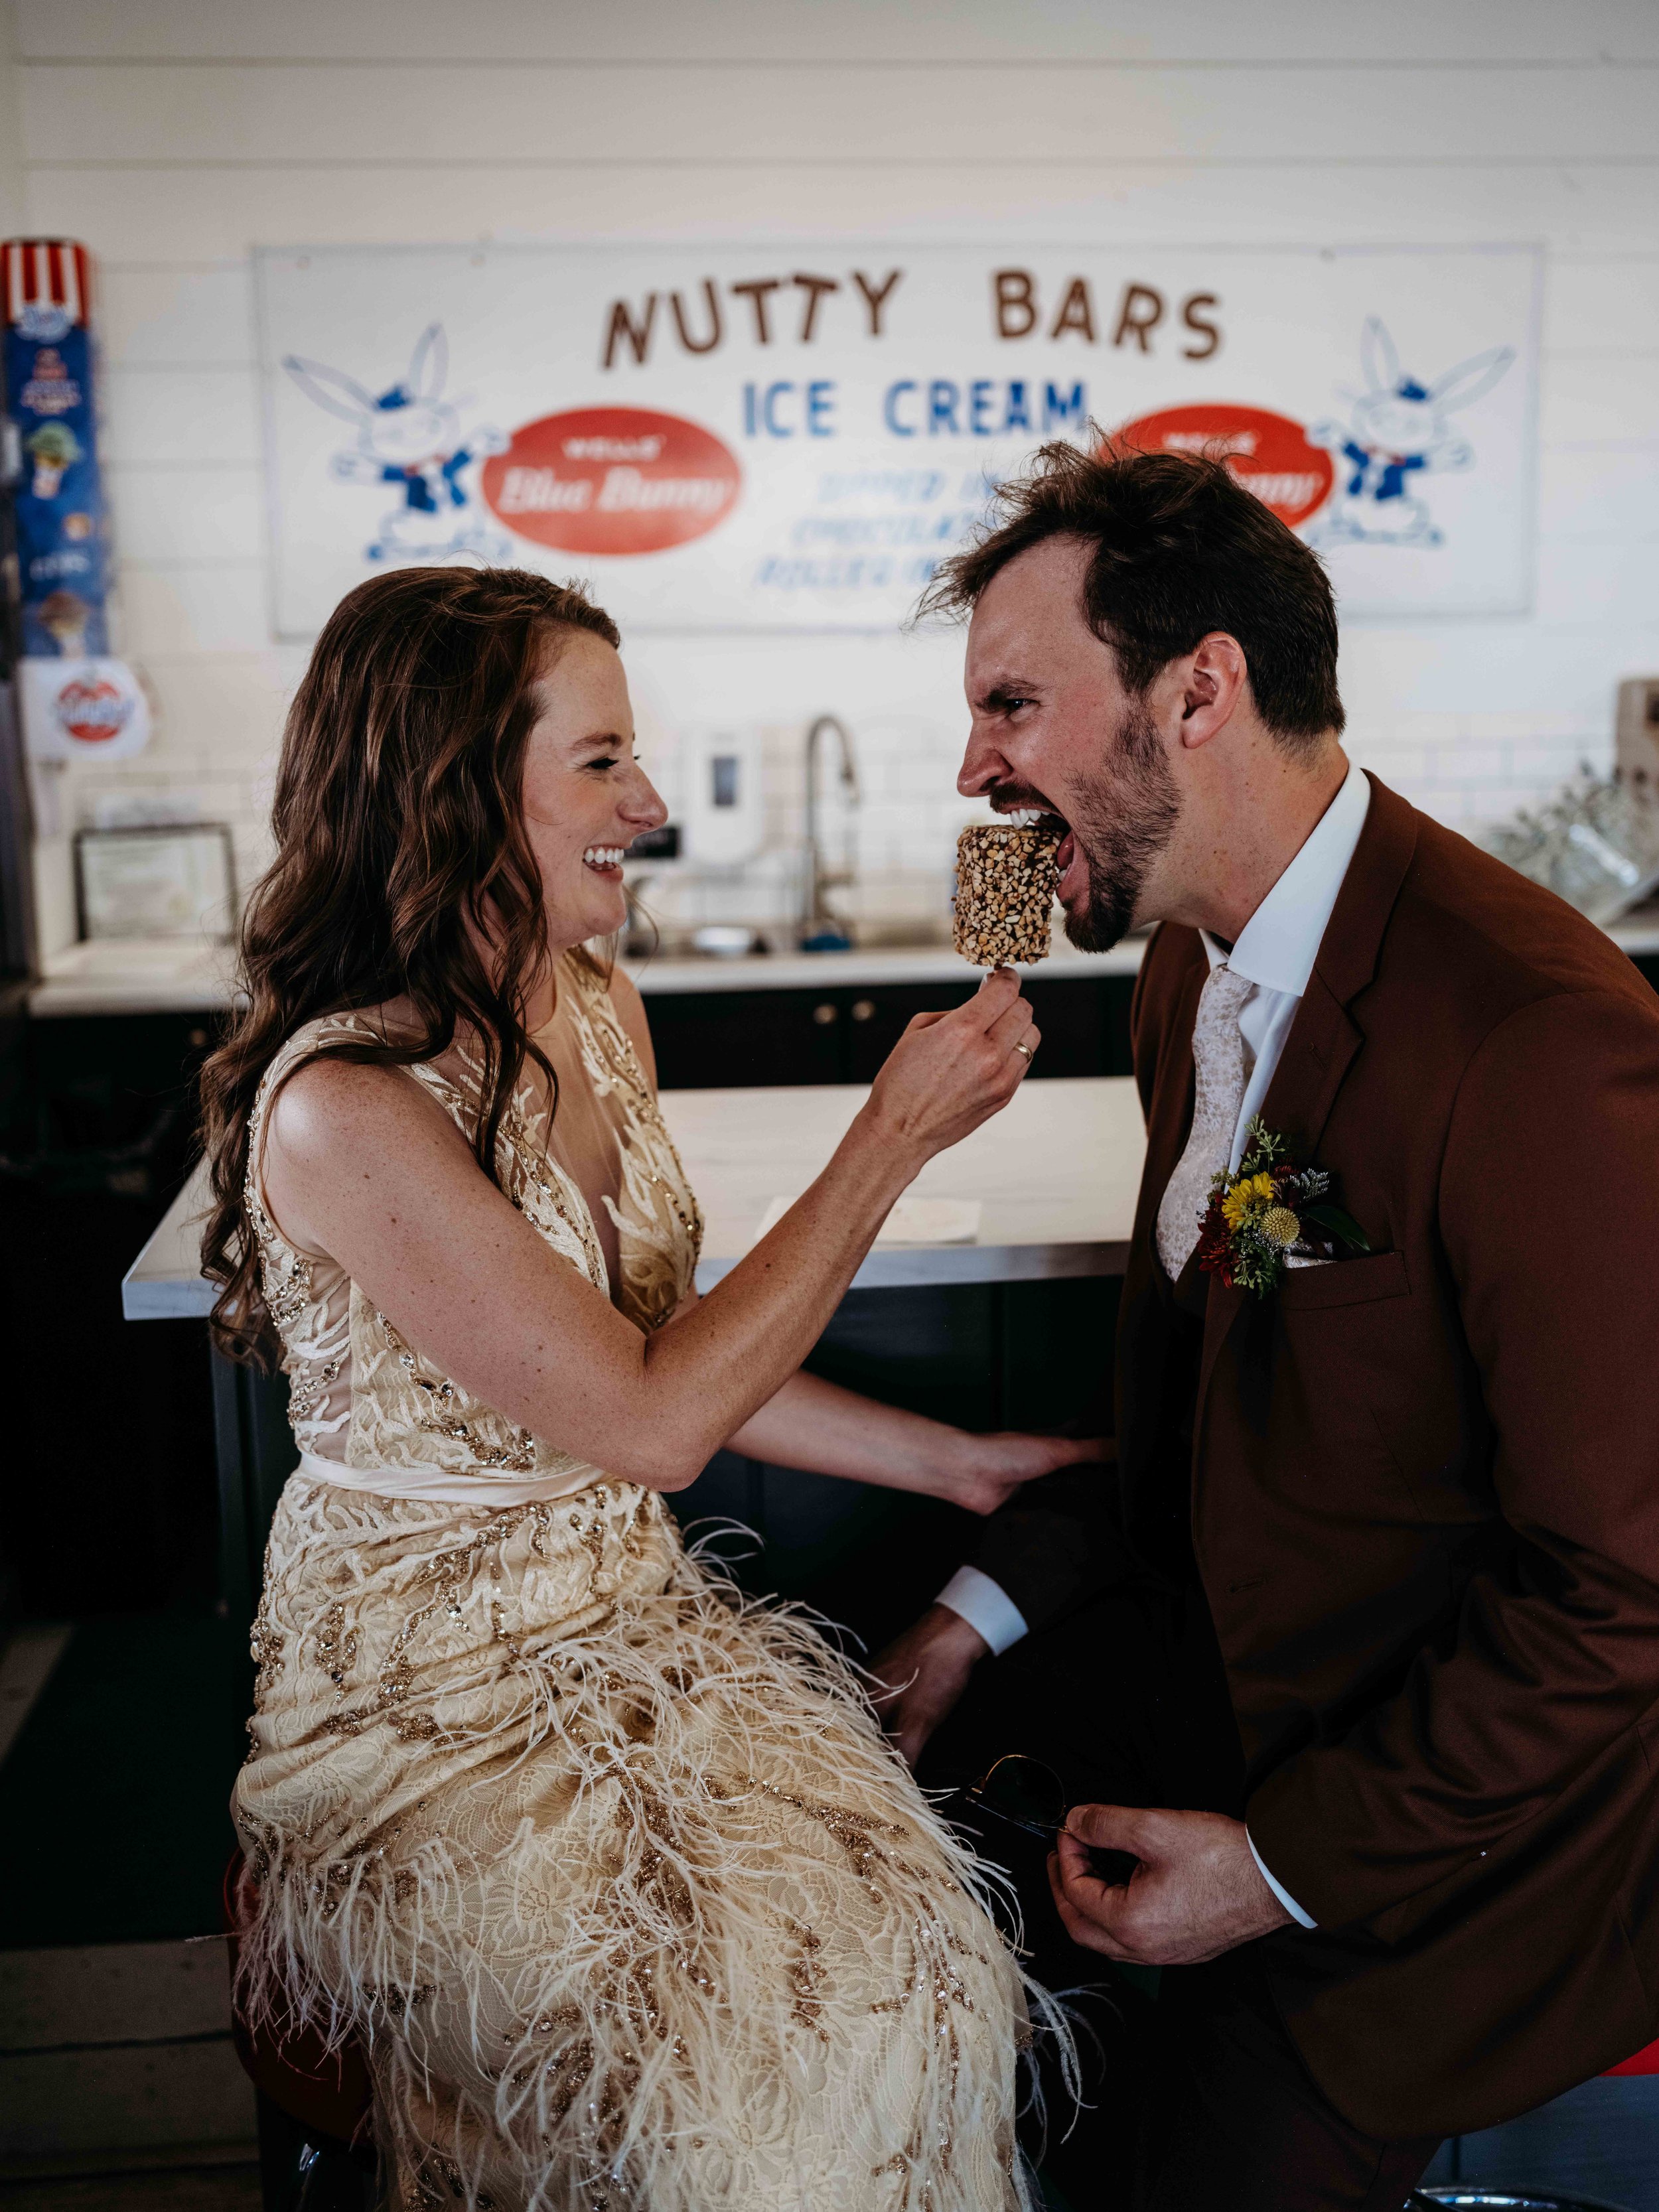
[97, 1131]
[722, 1040]
[1084, 1025]
[978, 1355]
[739, 1040]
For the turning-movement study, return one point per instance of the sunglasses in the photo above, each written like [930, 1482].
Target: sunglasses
[1026, 1794]
[1022, 1792]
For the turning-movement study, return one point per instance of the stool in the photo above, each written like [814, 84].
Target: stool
[313, 2106]
[1645, 2061]
[1454, 2193]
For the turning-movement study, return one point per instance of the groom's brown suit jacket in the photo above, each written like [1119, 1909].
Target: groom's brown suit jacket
[1424, 1486]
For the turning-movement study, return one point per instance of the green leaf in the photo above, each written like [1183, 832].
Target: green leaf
[1261, 1152]
[1340, 1224]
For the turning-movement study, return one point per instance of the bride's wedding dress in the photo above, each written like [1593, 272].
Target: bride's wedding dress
[614, 1878]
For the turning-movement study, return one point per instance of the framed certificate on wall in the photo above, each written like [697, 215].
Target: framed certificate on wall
[170, 879]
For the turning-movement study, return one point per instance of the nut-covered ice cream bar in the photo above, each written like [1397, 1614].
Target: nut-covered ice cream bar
[1006, 884]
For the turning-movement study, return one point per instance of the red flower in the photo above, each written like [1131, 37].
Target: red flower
[1215, 1255]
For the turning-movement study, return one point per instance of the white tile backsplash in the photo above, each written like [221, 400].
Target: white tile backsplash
[173, 150]
[161, 318]
[188, 414]
[178, 512]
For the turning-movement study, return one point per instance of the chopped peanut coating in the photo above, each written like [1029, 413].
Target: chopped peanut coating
[1006, 884]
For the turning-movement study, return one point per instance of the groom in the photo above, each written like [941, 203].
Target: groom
[1358, 1654]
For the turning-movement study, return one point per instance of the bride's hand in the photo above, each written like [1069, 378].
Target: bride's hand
[949, 1072]
[986, 1471]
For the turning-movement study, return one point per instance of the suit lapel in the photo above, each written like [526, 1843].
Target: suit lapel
[1142, 1326]
[1324, 1037]
[1169, 1117]
[1317, 1055]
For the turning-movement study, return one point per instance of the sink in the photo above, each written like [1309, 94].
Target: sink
[726, 941]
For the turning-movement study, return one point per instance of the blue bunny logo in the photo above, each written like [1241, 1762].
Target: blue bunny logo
[1398, 434]
[410, 436]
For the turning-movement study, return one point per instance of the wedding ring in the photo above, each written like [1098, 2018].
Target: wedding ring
[1025, 1050]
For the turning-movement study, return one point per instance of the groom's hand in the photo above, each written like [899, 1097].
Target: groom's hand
[1196, 1893]
[926, 1670]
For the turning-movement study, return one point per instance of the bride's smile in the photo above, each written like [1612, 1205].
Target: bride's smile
[585, 796]
[611, 1873]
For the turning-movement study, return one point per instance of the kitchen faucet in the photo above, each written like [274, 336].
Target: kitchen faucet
[816, 919]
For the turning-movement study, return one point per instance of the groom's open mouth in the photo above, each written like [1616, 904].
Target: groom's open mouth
[1029, 810]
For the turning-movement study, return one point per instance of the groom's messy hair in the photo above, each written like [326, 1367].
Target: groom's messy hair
[1181, 549]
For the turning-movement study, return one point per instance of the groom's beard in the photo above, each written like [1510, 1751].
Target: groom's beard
[1121, 825]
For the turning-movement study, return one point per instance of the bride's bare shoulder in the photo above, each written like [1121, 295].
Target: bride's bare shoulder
[326, 1105]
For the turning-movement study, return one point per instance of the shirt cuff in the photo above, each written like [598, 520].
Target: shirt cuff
[1301, 1918]
[986, 1605]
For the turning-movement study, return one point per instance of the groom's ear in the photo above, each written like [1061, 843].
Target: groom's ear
[1214, 680]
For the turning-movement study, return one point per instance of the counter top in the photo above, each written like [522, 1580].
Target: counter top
[1056, 1174]
[141, 975]
[136, 975]
[120, 976]
[876, 965]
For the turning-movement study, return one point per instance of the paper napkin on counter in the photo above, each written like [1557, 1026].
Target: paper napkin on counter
[912, 1221]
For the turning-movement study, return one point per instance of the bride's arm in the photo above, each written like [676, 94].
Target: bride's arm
[819, 1426]
[362, 1163]
[822, 1429]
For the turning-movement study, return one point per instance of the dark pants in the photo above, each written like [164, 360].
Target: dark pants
[1200, 2100]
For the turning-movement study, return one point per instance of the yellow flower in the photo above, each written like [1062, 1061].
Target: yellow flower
[1281, 1226]
[1245, 1197]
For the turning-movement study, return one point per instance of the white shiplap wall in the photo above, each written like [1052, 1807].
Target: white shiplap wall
[172, 136]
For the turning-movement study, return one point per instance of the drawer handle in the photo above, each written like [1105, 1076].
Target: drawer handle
[863, 1009]
[824, 1015]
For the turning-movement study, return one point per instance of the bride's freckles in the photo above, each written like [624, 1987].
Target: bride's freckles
[608, 1878]
[585, 795]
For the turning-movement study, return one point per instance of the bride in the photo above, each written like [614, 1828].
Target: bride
[613, 1874]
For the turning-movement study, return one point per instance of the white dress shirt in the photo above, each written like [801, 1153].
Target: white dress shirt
[1275, 952]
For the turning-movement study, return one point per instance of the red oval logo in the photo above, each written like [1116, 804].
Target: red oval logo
[93, 712]
[1268, 453]
[613, 480]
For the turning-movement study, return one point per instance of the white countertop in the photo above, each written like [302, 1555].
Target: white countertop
[146, 976]
[879, 965]
[1056, 1174]
[142, 975]
[136, 975]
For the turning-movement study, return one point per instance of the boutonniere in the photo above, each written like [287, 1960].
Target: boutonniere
[1258, 1218]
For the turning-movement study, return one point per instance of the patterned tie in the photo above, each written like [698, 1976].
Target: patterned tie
[1218, 1066]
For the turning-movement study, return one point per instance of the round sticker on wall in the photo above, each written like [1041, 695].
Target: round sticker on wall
[1269, 455]
[93, 712]
[613, 480]
[79, 709]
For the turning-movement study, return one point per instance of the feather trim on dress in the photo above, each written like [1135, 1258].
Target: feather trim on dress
[610, 1871]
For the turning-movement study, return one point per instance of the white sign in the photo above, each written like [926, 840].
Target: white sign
[82, 709]
[775, 438]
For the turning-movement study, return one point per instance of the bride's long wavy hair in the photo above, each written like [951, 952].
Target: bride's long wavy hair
[402, 869]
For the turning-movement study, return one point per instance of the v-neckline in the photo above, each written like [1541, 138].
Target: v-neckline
[584, 1044]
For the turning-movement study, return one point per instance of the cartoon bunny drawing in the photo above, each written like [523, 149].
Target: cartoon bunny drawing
[1397, 432]
[410, 436]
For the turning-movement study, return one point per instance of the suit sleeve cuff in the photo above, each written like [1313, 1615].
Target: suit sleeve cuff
[1303, 1919]
[986, 1605]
